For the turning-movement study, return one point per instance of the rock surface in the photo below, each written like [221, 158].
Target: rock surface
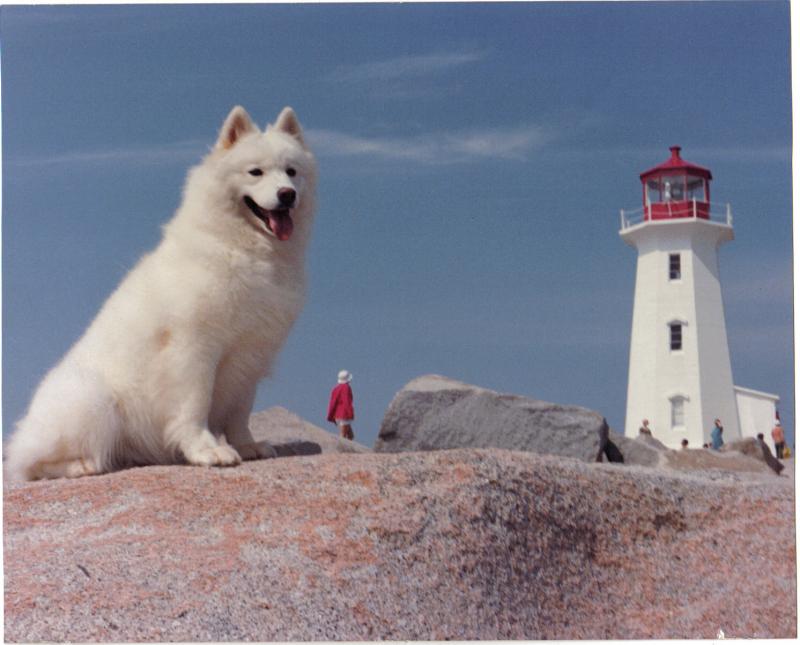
[744, 456]
[291, 435]
[643, 451]
[458, 544]
[436, 413]
[741, 456]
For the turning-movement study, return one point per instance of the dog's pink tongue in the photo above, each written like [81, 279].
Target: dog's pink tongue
[281, 224]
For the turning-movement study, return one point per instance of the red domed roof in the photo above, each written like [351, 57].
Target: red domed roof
[675, 164]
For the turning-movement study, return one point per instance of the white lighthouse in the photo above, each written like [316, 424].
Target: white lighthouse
[680, 369]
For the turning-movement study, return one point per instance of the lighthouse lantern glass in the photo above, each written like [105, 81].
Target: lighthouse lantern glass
[673, 188]
[669, 188]
[696, 189]
[654, 191]
[676, 188]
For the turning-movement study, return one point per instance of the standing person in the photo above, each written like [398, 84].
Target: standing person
[716, 435]
[340, 408]
[608, 447]
[771, 461]
[778, 439]
[645, 428]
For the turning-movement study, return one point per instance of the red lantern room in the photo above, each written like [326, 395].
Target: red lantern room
[676, 189]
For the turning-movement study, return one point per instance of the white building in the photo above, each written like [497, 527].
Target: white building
[757, 412]
[680, 370]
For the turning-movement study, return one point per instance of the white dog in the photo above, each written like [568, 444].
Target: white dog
[167, 372]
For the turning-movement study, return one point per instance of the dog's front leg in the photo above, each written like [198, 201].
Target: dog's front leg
[238, 432]
[187, 429]
[202, 448]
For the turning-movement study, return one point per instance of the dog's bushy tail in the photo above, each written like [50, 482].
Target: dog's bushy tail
[68, 430]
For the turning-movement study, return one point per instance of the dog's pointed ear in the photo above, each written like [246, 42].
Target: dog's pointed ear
[287, 122]
[235, 127]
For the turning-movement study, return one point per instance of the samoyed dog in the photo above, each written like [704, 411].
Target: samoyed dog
[167, 371]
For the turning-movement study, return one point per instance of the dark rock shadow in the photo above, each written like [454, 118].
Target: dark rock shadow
[297, 448]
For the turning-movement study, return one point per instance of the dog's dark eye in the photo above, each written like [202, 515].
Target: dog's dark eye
[291, 172]
[256, 172]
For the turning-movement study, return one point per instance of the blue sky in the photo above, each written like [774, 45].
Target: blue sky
[473, 160]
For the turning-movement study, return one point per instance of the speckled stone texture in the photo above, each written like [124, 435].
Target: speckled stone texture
[642, 451]
[434, 412]
[454, 544]
[742, 456]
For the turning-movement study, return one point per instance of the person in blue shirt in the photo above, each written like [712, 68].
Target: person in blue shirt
[716, 435]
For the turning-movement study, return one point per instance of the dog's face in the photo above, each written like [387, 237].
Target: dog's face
[268, 176]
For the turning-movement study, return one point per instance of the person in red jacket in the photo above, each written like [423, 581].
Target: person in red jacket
[340, 408]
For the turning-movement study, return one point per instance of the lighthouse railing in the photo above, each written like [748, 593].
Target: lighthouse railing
[708, 211]
[631, 217]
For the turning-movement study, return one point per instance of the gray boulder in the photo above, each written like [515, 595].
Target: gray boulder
[741, 456]
[436, 413]
[292, 436]
[642, 451]
[747, 446]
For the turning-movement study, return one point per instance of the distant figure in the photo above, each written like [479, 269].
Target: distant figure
[608, 447]
[340, 408]
[778, 439]
[684, 444]
[772, 462]
[645, 428]
[716, 435]
[705, 445]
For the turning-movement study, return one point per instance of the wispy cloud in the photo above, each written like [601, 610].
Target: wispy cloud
[436, 148]
[164, 153]
[441, 148]
[404, 67]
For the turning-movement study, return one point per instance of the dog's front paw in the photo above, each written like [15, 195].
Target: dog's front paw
[258, 450]
[222, 455]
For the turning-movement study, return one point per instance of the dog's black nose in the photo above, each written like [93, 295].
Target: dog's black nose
[286, 197]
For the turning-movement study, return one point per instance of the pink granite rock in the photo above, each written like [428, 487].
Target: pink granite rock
[454, 544]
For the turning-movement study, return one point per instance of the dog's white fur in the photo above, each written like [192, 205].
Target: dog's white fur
[167, 372]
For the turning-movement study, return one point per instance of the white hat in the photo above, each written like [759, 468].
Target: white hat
[345, 376]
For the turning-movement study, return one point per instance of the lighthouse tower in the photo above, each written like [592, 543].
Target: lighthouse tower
[679, 374]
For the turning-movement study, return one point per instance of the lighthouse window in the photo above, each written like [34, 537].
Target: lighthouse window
[696, 189]
[676, 336]
[653, 191]
[677, 413]
[673, 189]
[674, 266]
